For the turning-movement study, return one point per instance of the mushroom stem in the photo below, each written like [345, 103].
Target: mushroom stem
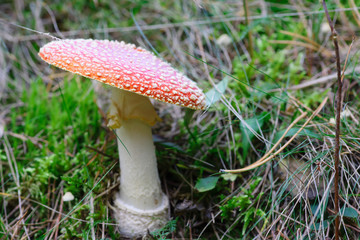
[140, 183]
[141, 204]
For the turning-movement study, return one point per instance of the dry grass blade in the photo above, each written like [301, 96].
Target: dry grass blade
[256, 164]
[72, 33]
[312, 42]
[316, 81]
[355, 12]
[266, 157]
[326, 52]
[36, 202]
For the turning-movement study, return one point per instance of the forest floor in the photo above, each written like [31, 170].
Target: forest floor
[263, 76]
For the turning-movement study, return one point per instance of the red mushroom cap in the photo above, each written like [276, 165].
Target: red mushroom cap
[124, 66]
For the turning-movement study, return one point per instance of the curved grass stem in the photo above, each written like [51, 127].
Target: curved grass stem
[268, 156]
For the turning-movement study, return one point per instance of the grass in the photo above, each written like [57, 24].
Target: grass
[54, 139]
[69, 120]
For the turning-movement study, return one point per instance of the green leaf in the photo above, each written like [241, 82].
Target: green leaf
[214, 94]
[292, 132]
[247, 219]
[206, 184]
[315, 208]
[320, 225]
[168, 144]
[349, 212]
[254, 184]
[229, 176]
[255, 125]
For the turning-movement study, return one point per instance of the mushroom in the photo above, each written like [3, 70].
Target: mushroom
[67, 197]
[134, 74]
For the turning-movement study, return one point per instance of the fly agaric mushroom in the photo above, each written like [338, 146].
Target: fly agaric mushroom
[134, 74]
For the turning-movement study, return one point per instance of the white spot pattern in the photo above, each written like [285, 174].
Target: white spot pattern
[125, 66]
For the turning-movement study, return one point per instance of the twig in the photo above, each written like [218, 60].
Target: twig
[337, 126]
[100, 152]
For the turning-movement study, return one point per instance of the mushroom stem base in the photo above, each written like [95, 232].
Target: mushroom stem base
[133, 222]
